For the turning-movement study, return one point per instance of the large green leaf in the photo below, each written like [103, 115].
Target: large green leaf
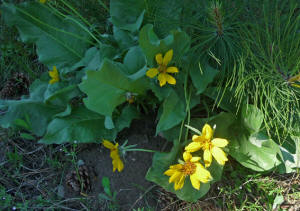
[38, 112]
[83, 126]
[173, 112]
[151, 45]
[134, 60]
[250, 145]
[252, 118]
[60, 41]
[127, 15]
[202, 76]
[128, 114]
[107, 88]
[290, 151]
[161, 162]
[257, 152]
[60, 94]
[94, 57]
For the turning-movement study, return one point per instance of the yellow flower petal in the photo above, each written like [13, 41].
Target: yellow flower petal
[195, 159]
[207, 157]
[197, 138]
[193, 147]
[162, 79]
[108, 144]
[120, 165]
[175, 177]
[195, 182]
[207, 131]
[168, 57]
[177, 166]
[172, 70]
[180, 183]
[169, 172]
[219, 155]
[170, 79]
[52, 81]
[219, 142]
[203, 175]
[151, 73]
[187, 156]
[159, 58]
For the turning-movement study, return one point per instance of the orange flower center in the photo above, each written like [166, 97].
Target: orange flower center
[188, 168]
[162, 68]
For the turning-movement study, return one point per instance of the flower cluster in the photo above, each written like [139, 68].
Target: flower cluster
[191, 165]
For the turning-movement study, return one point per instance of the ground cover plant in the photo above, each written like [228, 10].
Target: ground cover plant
[222, 79]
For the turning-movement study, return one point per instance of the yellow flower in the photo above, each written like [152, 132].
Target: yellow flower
[192, 168]
[114, 154]
[43, 1]
[54, 75]
[163, 70]
[211, 147]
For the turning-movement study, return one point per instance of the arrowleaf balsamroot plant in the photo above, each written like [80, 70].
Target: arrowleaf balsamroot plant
[239, 70]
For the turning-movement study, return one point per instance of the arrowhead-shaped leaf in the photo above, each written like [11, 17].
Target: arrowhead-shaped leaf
[83, 126]
[173, 112]
[107, 88]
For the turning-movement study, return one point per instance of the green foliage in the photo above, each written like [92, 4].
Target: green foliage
[127, 15]
[82, 125]
[60, 41]
[173, 112]
[241, 62]
[107, 88]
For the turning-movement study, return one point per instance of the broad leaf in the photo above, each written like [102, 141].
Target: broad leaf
[83, 126]
[60, 41]
[261, 156]
[127, 15]
[173, 112]
[128, 114]
[34, 108]
[134, 60]
[94, 57]
[252, 117]
[107, 88]
[161, 162]
[202, 76]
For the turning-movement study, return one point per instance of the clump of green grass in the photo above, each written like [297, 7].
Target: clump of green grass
[271, 57]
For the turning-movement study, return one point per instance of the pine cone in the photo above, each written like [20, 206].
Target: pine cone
[15, 87]
[79, 182]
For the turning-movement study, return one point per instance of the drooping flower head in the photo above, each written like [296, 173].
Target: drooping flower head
[211, 147]
[54, 75]
[190, 167]
[114, 154]
[163, 69]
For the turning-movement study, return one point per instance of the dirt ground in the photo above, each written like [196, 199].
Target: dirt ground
[133, 190]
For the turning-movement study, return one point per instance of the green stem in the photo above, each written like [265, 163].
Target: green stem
[77, 22]
[140, 150]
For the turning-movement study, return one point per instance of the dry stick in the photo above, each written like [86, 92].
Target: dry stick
[148, 190]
